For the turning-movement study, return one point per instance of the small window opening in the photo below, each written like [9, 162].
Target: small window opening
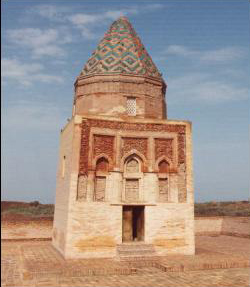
[163, 167]
[63, 166]
[131, 106]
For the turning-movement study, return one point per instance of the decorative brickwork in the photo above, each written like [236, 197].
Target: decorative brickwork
[84, 150]
[164, 147]
[139, 144]
[182, 189]
[180, 129]
[103, 145]
[181, 148]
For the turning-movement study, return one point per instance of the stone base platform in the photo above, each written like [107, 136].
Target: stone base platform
[37, 263]
[136, 251]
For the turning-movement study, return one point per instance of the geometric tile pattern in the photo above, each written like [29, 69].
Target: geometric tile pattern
[121, 51]
[131, 106]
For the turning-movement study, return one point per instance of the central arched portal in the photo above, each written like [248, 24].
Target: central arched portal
[133, 223]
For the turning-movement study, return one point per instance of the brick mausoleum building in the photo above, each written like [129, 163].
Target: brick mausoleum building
[125, 176]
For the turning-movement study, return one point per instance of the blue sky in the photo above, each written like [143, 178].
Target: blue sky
[201, 47]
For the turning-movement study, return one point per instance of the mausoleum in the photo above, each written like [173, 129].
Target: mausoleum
[125, 173]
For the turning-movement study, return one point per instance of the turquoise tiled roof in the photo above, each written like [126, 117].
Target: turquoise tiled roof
[121, 51]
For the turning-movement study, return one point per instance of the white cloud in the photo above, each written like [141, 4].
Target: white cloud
[83, 19]
[25, 115]
[207, 87]
[203, 88]
[85, 22]
[41, 42]
[51, 12]
[26, 73]
[180, 51]
[209, 56]
[223, 54]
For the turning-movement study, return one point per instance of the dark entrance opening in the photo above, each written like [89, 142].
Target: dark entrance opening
[133, 223]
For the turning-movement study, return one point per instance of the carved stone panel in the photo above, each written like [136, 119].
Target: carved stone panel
[163, 189]
[132, 166]
[82, 188]
[103, 145]
[137, 126]
[181, 148]
[164, 147]
[132, 190]
[182, 190]
[100, 186]
[139, 144]
[84, 150]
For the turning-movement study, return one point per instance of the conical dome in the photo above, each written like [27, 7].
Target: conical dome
[120, 78]
[121, 51]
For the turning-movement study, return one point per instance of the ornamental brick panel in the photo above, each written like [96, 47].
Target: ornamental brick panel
[103, 145]
[181, 148]
[139, 144]
[180, 129]
[84, 149]
[164, 147]
[130, 143]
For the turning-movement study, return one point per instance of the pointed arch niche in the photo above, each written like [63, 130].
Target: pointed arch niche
[132, 178]
[163, 166]
[163, 180]
[102, 165]
[101, 172]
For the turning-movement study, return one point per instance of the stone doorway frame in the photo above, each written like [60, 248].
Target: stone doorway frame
[133, 223]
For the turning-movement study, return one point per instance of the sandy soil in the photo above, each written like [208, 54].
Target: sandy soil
[26, 228]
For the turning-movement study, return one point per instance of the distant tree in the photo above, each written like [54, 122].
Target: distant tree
[34, 203]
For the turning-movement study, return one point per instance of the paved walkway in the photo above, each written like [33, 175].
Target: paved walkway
[37, 263]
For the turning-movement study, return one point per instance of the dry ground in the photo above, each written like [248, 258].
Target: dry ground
[219, 261]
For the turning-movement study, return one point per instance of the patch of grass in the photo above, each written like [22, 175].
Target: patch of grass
[33, 209]
[227, 208]
[213, 208]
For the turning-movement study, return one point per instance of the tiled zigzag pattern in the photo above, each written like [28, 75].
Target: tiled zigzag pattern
[121, 51]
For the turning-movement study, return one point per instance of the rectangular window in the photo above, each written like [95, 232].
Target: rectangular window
[163, 190]
[100, 186]
[132, 189]
[131, 106]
